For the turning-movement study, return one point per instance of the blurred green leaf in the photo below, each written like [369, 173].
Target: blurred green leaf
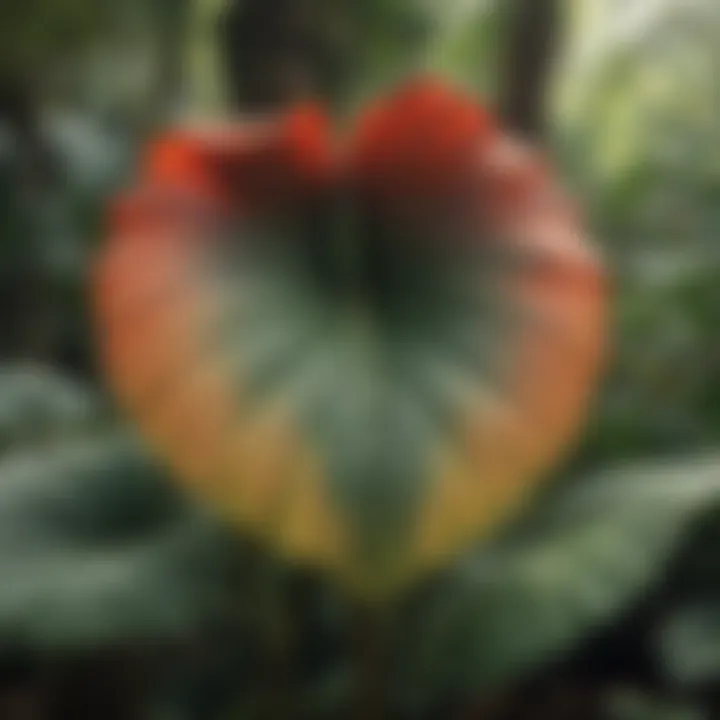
[581, 560]
[37, 402]
[95, 545]
[96, 548]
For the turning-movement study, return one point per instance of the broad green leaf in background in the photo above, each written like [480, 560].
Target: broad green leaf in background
[95, 546]
[587, 556]
[94, 549]
[36, 402]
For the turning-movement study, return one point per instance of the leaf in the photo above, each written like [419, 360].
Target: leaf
[357, 387]
[95, 545]
[584, 558]
[36, 401]
[95, 548]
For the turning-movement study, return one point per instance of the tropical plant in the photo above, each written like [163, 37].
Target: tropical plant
[596, 599]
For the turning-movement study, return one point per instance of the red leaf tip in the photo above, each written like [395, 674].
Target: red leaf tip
[417, 143]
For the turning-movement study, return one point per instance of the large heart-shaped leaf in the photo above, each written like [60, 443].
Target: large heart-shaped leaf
[366, 358]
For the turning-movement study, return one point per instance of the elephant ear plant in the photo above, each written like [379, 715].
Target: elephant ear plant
[365, 348]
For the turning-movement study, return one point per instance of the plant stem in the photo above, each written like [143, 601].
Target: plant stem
[372, 658]
[276, 629]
